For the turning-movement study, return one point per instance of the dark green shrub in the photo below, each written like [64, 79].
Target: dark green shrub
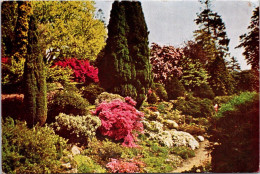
[68, 102]
[91, 92]
[174, 88]
[204, 91]
[184, 152]
[160, 91]
[152, 98]
[195, 106]
[237, 132]
[27, 150]
[220, 100]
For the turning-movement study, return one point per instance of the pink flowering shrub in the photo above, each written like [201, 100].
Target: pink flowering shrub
[120, 120]
[82, 70]
[119, 166]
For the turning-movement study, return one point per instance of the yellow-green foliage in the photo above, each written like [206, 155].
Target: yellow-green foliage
[87, 165]
[36, 150]
[77, 128]
[69, 28]
[12, 73]
[107, 97]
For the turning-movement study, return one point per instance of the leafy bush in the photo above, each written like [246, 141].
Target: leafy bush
[152, 98]
[77, 128]
[91, 92]
[222, 99]
[119, 120]
[174, 88]
[121, 166]
[68, 102]
[107, 97]
[204, 91]
[82, 70]
[27, 150]
[87, 165]
[195, 106]
[236, 101]
[236, 129]
[184, 152]
[160, 91]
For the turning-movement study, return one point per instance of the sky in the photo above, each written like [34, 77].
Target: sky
[171, 22]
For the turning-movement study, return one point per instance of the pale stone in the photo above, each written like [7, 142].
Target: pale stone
[201, 138]
[171, 124]
[66, 165]
[181, 138]
[75, 150]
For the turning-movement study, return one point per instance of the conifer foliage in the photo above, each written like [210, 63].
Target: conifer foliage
[124, 67]
[35, 79]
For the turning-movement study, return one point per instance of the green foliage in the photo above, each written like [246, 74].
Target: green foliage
[58, 75]
[194, 106]
[200, 169]
[69, 29]
[235, 102]
[247, 80]
[91, 92]
[152, 98]
[236, 132]
[26, 150]
[220, 100]
[77, 128]
[107, 97]
[87, 165]
[184, 152]
[174, 88]
[68, 102]
[160, 91]
[124, 67]
[204, 91]
[35, 91]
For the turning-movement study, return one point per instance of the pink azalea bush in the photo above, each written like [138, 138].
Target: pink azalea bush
[82, 70]
[120, 120]
[119, 166]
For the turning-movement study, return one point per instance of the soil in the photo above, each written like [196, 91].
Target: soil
[202, 156]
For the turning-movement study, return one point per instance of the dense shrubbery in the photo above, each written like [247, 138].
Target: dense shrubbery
[68, 102]
[195, 106]
[236, 129]
[107, 97]
[121, 166]
[34, 150]
[184, 152]
[119, 120]
[87, 165]
[152, 98]
[82, 70]
[160, 91]
[204, 91]
[174, 88]
[91, 92]
[220, 100]
[76, 128]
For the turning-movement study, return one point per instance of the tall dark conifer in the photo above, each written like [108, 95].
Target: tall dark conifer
[35, 80]
[124, 68]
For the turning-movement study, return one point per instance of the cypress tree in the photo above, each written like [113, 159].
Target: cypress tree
[124, 68]
[35, 98]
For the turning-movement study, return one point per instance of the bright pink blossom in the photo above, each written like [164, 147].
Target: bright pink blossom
[120, 120]
[82, 70]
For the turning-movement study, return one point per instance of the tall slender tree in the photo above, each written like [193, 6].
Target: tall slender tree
[35, 79]
[250, 41]
[124, 67]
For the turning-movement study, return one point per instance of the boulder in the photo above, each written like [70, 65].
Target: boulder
[181, 138]
[171, 124]
[75, 150]
[201, 138]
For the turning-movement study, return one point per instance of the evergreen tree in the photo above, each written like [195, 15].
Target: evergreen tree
[250, 41]
[35, 79]
[124, 68]
[233, 65]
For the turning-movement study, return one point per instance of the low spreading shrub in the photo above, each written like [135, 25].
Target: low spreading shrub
[195, 106]
[120, 120]
[91, 92]
[222, 99]
[160, 91]
[87, 165]
[77, 128]
[68, 102]
[184, 152]
[122, 166]
[107, 97]
[25, 150]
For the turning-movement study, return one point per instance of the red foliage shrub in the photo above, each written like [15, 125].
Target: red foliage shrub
[5, 60]
[119, 166]
[120, 120]
[83, 71]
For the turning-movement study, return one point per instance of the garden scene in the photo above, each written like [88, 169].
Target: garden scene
[84, 92]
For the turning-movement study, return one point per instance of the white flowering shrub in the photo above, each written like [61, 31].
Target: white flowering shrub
[76, 128]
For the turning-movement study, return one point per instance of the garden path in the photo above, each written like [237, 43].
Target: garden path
[202, 156]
